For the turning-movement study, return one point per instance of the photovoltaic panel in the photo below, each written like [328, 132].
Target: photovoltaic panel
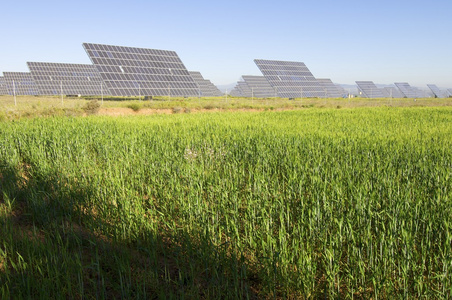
[3, 89]
[259, 86]
[369, 89]
[237, 91]
[206, 87]
[332, 90]
[436, 91]
[290, 79]
[392, 92]
[406, 89]
[67, 79]
[421, 93]
[129, 71]
[243, 89]
[20, 83]
[449, 91]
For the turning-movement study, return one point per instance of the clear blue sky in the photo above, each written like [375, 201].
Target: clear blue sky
[383, 41]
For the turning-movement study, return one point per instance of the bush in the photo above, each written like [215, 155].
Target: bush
[134, 106]
[92, 107]
[177, 109]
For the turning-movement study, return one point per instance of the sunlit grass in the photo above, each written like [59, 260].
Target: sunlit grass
[34, 106]
[310, 203]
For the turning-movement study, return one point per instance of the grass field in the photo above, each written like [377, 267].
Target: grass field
[316, 202]
[31, 106]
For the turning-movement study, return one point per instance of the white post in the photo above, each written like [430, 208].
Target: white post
[14, 93]
[61, 90]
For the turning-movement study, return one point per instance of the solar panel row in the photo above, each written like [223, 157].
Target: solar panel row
[131, 71]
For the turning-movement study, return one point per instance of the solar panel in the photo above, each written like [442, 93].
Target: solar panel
[290, 79]
[237, 91]
[369, 89]
[206, 87]
[20, 83]
[3, 89]
[392, 92]
[244, 89]
[332, 90]
[449, 91]
[436, 91]
[421, 93]
[259, 86]
[68, 79]
[406, 90]
[129, 71]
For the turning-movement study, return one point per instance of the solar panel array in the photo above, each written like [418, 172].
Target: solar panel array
[436, 91]
[369, 89]
[20, 83]
[290, 79]
[449, 91]
[406, 89]
[67, 79]
[205, 86]
[129, 71]
[259, 86]
[3, 89]
[332, 90]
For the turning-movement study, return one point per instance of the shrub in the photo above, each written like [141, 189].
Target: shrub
[177, 109]
[134, 106]
[92, 107]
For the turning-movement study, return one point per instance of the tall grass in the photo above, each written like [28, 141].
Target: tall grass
[314, 203]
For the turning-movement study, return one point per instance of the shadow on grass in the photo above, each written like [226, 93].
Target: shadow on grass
[53, 246]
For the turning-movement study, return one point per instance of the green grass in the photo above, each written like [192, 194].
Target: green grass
[33, 106]
[311, 203]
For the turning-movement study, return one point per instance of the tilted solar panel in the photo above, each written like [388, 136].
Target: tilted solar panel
[332, 90]
[3, 89]
[20, 83]
[406, 89]
[392, 92]
[290, 79]
[206, 87]
[369, 89]
[67, 79]
[129, 71]
[259, 86]
[436, 91]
